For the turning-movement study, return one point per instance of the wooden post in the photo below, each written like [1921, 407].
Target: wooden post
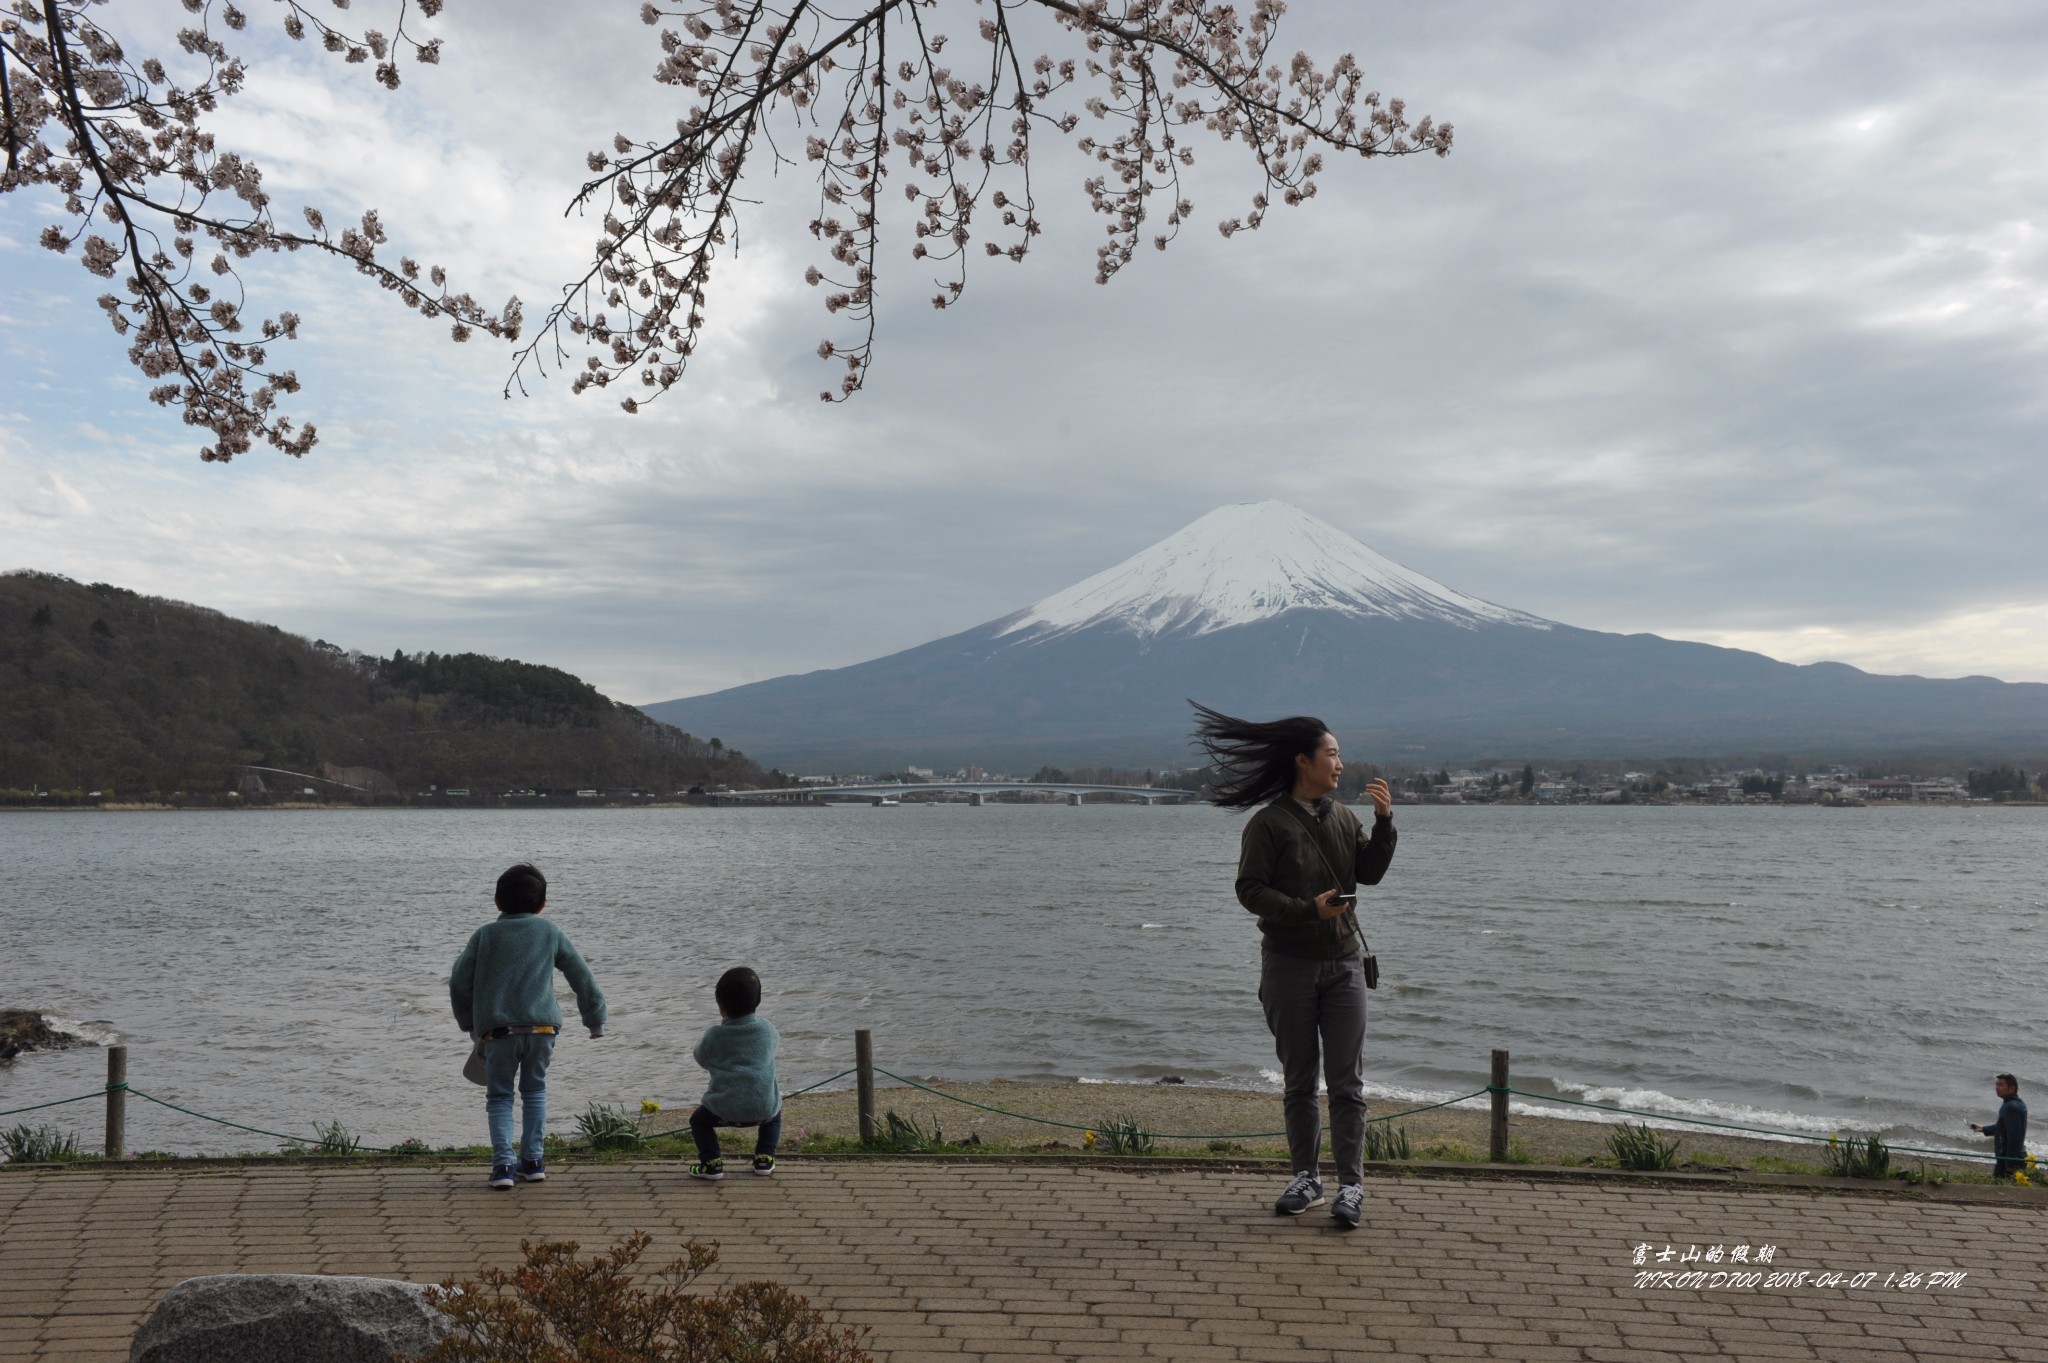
[117, 1100]
[864, 1064]
[1498, 1147]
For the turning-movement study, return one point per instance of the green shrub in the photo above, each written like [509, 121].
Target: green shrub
[1867, 1157]
[558, 1308]
[1634, 1146]
[904, 1136]
[604, 1127]
[335, 1139]
[329, 1138]
[1384, 1142]
[38, 1144]
[1123, 1135]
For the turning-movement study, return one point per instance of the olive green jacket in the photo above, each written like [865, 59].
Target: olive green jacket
[1280, 873]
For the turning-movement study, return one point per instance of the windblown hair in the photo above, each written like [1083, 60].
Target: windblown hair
[1254, 762]
[522, 889]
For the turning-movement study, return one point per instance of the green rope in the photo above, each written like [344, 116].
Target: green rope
[279, 1135]
[1159, 1135]
[1070, 1126]
[37, 1107]
[1476, 1093]
[257, 1130]
[799, 1093]
[1731, 1126]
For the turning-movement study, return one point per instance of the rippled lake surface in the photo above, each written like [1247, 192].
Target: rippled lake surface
[1850, 970]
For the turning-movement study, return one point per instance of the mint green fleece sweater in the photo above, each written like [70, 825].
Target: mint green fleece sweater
[505, 976]
[740, 1055]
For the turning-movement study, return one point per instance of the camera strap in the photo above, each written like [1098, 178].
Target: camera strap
[1315, 839]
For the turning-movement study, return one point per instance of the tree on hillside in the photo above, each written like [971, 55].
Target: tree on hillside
[152, 201]
[2000, 783]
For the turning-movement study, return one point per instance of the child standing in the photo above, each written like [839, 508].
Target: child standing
[739, 1052]
[503, 989]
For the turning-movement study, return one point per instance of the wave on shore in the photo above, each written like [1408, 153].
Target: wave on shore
[92, 1033]
[1665, 1110]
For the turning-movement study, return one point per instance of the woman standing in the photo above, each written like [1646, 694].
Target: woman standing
[1303, 857]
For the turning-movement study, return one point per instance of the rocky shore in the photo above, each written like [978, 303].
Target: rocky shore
[22, 1030]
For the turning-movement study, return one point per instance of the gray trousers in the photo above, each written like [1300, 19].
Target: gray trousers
[1316, 1010]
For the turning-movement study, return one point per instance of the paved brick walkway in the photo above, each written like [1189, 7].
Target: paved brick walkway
[949, 1263]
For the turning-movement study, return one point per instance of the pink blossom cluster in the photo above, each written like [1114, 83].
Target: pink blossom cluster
[142, 184]
[872, 93]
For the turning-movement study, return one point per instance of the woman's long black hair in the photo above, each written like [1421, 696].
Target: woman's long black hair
[1254, 762]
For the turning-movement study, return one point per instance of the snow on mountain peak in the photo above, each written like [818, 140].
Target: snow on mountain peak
[1245, 563]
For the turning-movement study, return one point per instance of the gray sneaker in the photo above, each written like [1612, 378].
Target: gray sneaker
[1304, 1192]
[1349, 1208]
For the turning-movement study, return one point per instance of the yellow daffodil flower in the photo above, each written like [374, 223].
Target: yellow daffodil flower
[648, 1107]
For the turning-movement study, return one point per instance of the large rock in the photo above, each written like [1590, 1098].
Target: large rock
[288, 1318]
[21, 1030]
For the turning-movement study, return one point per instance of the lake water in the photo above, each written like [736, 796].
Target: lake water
[1852, 970]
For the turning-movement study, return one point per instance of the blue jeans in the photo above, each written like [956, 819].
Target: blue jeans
[523, 1058]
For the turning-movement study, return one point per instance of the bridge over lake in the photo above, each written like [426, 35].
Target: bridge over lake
[977, 792]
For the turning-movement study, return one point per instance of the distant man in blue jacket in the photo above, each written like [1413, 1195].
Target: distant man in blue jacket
[2009, 1133]
[503, 989]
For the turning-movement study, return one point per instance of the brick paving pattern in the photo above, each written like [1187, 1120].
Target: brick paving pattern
[957, 1263]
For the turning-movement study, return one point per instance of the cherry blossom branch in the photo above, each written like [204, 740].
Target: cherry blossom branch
[125, 128]
[1162, 70]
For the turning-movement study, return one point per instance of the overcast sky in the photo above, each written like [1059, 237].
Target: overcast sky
[1723, 322]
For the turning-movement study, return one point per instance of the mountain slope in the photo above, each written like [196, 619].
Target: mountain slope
[1239, 565]
[1269, 611]
[102, 688]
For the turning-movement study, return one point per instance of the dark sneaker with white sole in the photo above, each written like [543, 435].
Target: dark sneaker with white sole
[1304, 1192]
[709, 1170]
[501, 1176]
[764, 1165]
[532, 1171]
[1349, 1208]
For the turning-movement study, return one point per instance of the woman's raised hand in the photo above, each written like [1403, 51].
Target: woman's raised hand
[1382, 798]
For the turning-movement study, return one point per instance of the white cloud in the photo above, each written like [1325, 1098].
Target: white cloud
[1723, 324]
[2004, 641]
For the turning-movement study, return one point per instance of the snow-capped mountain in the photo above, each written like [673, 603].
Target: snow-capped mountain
[1263, 610]
[1242, 564]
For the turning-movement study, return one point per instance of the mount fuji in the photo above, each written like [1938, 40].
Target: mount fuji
[1263, 610]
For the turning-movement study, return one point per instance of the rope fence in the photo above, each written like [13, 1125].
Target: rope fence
[117, 1088]
[1156, 1135]
[55, 1102]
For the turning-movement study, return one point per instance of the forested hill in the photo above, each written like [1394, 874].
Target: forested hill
[105, 689]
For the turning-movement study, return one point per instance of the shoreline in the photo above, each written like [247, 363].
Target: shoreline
[1229, 1121]
[739, 802]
